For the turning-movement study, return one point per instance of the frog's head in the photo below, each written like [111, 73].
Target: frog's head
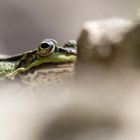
[47, 47]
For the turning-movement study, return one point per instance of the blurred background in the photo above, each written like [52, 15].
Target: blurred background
[23, 24]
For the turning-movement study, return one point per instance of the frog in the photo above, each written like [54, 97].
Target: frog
[49, 51]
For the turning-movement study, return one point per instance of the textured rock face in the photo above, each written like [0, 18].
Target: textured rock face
[100, 40]
[108, 45]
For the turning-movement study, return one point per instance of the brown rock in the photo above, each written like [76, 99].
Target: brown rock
[109, 40]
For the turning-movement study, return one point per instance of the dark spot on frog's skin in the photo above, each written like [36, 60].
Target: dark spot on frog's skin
[33, 58]
[25, 61]
[61, 50]
[22, 63]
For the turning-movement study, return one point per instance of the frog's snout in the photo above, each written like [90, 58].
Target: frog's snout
[73, 51]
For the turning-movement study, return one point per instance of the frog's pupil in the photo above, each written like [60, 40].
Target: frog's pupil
[45, 45]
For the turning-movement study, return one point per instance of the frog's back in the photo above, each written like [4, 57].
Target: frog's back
[8, 64]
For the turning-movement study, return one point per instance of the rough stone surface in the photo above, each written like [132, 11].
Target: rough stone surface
[53, 79]
[108, 45]
[103, 39]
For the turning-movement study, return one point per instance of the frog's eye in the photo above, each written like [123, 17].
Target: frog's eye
[70, 44]
[46, 48]
[46, 45]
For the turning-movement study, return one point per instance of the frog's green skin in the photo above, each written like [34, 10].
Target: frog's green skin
[49, 51]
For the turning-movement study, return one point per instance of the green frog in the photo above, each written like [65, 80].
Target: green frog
[49, 51]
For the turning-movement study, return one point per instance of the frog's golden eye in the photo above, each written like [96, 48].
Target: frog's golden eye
[46, 48]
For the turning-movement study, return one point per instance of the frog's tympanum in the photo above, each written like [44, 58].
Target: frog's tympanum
[49, 51]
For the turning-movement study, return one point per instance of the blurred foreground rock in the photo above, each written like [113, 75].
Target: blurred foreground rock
[107, 40]
[107, 47]
[108, 71]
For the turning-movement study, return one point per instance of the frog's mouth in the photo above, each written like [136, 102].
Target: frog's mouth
[50, 66]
